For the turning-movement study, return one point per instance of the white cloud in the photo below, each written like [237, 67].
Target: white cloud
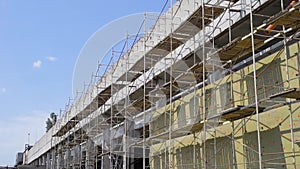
[37, 64]
[51, 58]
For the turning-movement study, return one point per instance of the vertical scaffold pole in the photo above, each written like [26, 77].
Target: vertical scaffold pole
[171, 89]
[144, 96]
[286, 54]
[127, 133]
[203, 88]
[112, 157]
[255, 88]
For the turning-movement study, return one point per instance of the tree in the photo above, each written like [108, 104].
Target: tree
[51, 121]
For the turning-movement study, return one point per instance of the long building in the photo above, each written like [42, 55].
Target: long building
[213, 84]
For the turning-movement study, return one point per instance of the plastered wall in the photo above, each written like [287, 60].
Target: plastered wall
[234, 144]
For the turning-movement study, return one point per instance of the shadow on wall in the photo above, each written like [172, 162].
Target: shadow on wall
[270, 143]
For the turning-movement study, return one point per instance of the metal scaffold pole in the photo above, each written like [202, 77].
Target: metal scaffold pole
[255, 87]
[112, 159]
[127, 155]
[291, 120]
[144, 91]
[170, 148]
[203, 137]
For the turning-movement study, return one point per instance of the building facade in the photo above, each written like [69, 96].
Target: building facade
[213, 84]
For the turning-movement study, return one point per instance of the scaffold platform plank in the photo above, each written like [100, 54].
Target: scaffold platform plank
[239, 112]
[194, 23]
[179, 131]
[238, 49]
[288, 18]
[293, 93]
[210, 13]
[64, 129]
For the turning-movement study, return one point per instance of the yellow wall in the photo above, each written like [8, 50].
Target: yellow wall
[275, 125]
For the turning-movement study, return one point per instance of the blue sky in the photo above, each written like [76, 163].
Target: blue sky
[39, 44]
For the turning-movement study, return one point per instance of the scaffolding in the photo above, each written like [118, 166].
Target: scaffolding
[212, 84]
